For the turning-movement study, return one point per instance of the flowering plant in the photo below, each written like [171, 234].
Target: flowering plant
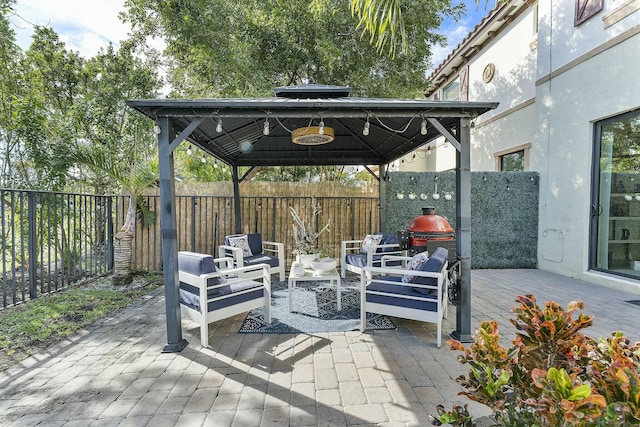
[305, 236]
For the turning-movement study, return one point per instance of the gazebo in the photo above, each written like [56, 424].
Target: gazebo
[309, 125]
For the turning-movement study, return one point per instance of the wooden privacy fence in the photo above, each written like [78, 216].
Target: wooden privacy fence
[203, 222]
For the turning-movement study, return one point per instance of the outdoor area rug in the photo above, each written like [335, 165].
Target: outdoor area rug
[314, 310]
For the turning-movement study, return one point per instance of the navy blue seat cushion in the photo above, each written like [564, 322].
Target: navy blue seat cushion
[357, 260]
[360, 260]
[261, 259]
[190, 296]
[198, 264]
[434, 264]
[399, 290]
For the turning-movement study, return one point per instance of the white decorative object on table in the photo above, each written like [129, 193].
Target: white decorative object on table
[305, 260]
[297, 269]
[324, 265]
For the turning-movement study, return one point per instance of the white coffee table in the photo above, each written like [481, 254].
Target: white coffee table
[310, 275]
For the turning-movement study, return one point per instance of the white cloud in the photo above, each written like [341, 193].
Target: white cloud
[455, 32]
[84, 26]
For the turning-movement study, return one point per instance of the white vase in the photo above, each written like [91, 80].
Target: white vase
[305, 259]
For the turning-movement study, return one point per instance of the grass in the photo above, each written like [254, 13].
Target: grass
[34, 326]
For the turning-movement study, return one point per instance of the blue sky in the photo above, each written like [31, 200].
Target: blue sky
[458, 30]
[87, 25]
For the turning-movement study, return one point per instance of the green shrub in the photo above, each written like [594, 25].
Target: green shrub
[553, 375]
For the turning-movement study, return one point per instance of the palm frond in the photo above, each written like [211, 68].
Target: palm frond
[133, 178]
[383, 21]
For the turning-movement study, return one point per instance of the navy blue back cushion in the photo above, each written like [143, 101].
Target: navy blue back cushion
[255, 243]
[388, 239]
[434, 264]
[195, 263]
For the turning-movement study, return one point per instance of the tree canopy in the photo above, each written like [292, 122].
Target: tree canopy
[224, 48]
[55, 103]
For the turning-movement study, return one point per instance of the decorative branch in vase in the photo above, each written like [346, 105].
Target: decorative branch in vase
[305, 235]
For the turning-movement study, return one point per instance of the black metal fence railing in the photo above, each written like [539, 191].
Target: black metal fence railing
[51, 240]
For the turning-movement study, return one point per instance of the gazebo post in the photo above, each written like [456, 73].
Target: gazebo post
[463, 231]
[237, 219]
[382, 195]
[175, 342]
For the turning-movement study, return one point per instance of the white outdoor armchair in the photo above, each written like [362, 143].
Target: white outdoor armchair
[250, 249]
[357, 254]
[420, 294]
[209, 294]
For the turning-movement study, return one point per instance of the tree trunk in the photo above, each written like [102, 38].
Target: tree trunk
[122, 250]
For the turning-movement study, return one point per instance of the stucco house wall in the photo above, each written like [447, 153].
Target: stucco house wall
[581, 83]
[553, 86]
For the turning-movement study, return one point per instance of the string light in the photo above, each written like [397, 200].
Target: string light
[219, 125]
[189, 150]
[321, 127]
[203, 159]
[265, 129]
[423, 127]
[365, 130]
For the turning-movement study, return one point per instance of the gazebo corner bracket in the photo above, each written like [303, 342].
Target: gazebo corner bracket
[445, 132]
[185, 133]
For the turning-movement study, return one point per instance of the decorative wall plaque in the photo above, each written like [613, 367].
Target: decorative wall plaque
[487, 73]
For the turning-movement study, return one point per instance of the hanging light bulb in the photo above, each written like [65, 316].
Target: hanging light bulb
[203, 159]
[321, 127]
[423, 127]
[365, 130]
[219, 126]
[265, 130]
[189, 150]
[215, 164]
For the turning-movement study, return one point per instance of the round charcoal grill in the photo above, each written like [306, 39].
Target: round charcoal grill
[427, 232]
[428, 227]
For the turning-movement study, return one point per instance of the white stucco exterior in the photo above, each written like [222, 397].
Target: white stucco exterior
[553, 86]
[580, 83]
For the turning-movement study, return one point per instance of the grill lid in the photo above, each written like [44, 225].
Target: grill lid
[429, 222]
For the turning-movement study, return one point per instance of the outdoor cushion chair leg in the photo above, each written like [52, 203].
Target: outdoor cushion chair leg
[363, 295]
[204, 334]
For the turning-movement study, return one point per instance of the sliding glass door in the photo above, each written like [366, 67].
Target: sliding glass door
[615, 227]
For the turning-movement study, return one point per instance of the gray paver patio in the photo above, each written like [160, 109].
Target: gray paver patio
[114, 373]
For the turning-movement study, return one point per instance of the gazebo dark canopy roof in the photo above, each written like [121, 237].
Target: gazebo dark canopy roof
[258, 132]
[394, 125]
